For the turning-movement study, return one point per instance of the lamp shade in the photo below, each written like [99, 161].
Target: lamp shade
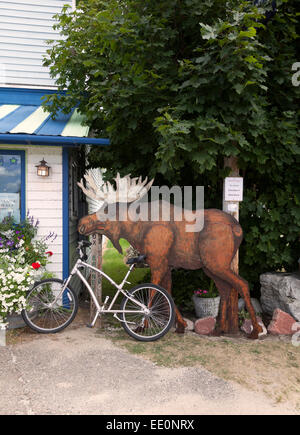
[43, 169]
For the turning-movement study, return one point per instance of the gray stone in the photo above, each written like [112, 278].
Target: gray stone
[241, 304]
[281, 290]
[15, 321]
[190, 324]
[255, 302]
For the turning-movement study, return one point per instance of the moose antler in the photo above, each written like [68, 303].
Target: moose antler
[127, 189]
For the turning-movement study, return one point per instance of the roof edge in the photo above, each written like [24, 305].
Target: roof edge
[25, 96]
[29, 139]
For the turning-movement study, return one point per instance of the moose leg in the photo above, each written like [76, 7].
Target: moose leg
[157, 245]
[228, 318]
[218, 248]
[224, 290]
[166, 283]
[242, 287]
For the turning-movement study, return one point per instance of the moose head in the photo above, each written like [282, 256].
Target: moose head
[106, 219]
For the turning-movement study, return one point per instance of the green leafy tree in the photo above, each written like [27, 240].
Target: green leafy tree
[178, 85]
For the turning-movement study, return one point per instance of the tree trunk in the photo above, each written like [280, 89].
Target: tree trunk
[232, 317]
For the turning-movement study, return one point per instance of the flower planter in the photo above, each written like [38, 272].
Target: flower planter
[22, 259]
[206, 307]
[15, 321]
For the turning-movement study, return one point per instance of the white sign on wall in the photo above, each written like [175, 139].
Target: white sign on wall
[10, 205]
[233, 189]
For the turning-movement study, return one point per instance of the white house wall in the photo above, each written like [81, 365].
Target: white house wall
[44, 197]
[25, 26]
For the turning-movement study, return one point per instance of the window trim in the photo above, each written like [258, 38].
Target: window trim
[21, 153]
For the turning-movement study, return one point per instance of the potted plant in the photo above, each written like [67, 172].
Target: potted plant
[206, 302]
[22, 262]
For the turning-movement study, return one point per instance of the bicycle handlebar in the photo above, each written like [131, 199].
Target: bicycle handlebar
[84, 244]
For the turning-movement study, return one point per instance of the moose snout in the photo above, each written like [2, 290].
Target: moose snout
[81, 229]
[87, 225]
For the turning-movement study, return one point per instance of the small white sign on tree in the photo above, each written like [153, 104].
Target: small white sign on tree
[233, 189]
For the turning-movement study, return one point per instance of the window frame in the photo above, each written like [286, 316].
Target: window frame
[21, 153]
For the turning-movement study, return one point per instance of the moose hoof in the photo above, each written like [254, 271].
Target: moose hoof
[180, 329]
[139, 329]
[253, 335]
[216, 332]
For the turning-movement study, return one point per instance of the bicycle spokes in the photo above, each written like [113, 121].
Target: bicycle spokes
[152, 322]
[48, 307]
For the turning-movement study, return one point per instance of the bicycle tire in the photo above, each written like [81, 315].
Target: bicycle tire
[167, 316]
[30, 317]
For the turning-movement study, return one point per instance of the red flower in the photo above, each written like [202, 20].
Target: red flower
[36, 265]
[49, 253]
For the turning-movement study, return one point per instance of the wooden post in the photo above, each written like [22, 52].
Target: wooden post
[96, 279]
[232, 323]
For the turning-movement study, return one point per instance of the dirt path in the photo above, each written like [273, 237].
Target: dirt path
[80, 372]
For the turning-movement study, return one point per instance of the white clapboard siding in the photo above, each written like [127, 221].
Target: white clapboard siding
[46, 187]
[30, 36]
[19, 66]
[31, 29]
[23, 21]
[44, 198]
[25, 26]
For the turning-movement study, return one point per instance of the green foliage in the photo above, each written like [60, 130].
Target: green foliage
[114, 266]
[243, 315]
[15, 237]
[186, 282]
[21, 256]
[178, 85]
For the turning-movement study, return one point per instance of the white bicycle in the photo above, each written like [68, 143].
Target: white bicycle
[147, 311]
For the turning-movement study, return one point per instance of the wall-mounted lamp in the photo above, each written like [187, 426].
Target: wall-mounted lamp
[43, 169]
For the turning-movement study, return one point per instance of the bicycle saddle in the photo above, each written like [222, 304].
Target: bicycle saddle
[134, 260]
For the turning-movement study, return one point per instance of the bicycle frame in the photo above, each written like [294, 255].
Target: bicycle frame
[101, 308]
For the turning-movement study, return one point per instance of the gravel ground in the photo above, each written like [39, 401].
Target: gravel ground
[80, 372]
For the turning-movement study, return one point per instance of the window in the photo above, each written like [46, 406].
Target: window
[12, 184]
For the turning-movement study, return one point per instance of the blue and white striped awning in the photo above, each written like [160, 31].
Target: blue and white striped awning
[32, 124]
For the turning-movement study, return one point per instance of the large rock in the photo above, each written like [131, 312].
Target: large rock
[281, 290]
[255, 303]
[15, 321]
[205, 326]
[282, 323]
[190, 324]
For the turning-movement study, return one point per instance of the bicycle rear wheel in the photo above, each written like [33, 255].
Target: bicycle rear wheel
[157, 321]
[49, 309]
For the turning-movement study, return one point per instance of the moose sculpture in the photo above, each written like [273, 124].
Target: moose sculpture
[167, 245]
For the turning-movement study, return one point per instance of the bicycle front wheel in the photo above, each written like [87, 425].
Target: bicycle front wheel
[158, 318]
[49, 309]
